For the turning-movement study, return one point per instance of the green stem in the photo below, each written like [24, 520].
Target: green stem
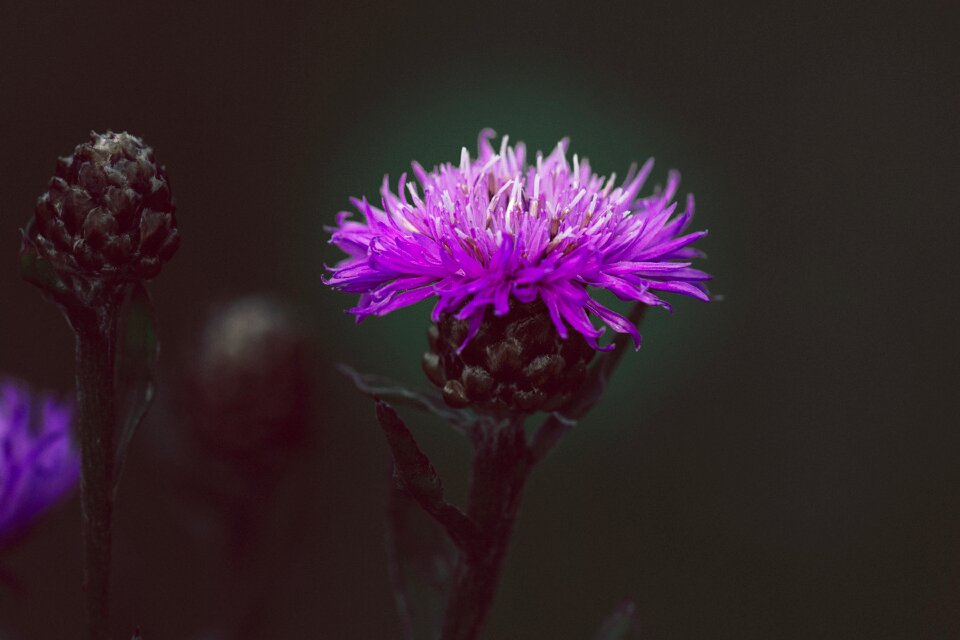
[501, 466]
[96, 420]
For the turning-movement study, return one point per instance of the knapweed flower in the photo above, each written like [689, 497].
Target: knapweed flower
[38, 462]
[498, 233]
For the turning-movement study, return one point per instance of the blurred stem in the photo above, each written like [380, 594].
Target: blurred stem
[96, 420]
[501, 465]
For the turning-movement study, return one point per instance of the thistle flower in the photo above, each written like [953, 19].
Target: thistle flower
[107, 214]
[38, 463]
[510, 250]
[497, 230]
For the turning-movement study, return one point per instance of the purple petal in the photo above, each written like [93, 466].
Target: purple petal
[483, 231]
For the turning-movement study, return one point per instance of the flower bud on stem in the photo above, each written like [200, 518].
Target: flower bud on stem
[105, 224]
[502, 463]
[512, 268]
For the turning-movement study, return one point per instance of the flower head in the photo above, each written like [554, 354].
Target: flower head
[498, 228]
[107, 212]
[38, 463]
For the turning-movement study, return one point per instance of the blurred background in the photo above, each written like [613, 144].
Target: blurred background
[782, 464]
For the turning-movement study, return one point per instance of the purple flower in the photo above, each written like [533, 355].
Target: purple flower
[497, 227]
[38, 462]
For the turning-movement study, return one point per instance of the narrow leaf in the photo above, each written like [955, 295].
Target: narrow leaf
[138, 351]
[421, 561]
[379, 387]
[413, 469]
[416, 475]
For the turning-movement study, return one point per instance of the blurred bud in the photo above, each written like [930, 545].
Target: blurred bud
[39, 464]
[252, 383]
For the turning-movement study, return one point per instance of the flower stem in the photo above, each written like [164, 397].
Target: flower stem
[96, 419]
[501, 466]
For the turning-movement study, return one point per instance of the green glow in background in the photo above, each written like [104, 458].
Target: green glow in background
[782, 464]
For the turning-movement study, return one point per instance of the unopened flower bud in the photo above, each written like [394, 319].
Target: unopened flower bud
[516, 364]
[252, 383]
[107, 213]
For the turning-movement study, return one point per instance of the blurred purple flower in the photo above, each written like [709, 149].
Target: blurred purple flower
[497, 227]
[38, 462]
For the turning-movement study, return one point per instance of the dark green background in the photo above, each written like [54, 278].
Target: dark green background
[782, 464]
